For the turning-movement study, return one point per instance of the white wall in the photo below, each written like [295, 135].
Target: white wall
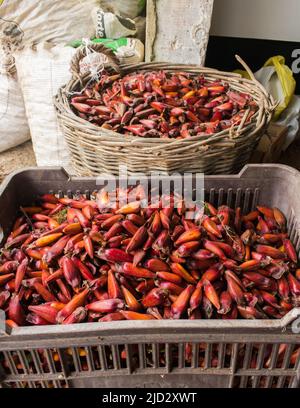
[262, 19]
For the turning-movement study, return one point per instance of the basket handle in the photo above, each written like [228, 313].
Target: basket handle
[246, 67]
[99, 48]
[273, 104]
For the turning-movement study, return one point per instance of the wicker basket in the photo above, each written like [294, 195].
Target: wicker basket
[95, 150]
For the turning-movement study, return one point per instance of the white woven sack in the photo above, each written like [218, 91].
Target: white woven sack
[126, 8]
[39, 86]
[14, 128]
[28, 22]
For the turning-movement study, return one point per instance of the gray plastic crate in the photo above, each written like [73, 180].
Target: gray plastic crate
[154, 353]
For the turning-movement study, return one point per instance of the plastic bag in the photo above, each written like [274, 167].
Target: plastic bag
[290, 119]
[128, 50]
[126, 8]
[110, 25]
[279, 81]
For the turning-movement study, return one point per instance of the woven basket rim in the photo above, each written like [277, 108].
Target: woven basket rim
[264, 100]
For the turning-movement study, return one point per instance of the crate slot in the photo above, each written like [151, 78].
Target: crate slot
[83, 359]
[260, 356]
[292, 226]
[280, 355]
[155, 355]
[76, 360]
[238, 197]
[37, 365]
[90, 359]
[181, 355]
[187, 354]
[87, 194]
[94, 356]
[228, 350]
[221, 355]
[208, 356]
[259, 364]
[102, 358]
[142, 356]
[294, 382]
[261, 382]
[23, 358]
[247, 356]
[130, 358]
[297, 243]
[57, 360]
[149, 355]
[221, 194]
[212, 193]
[18, 363]
[195, 355]
[287, 357]
[297, 366]
[215, 356]
[51, 364]
[229, 200]
[243, 380]
[65, 361]
[281, 380]
[13, 384]
[234, 357]
[116, 357]
[271, 363]
[247, 201]
[8, 363]
[57, 384]
[255, 200]
[109, 357]
[275, 382]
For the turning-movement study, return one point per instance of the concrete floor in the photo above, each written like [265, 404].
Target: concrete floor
[16, 158]
[23, 156]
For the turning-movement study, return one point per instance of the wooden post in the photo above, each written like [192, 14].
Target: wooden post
[178, 30]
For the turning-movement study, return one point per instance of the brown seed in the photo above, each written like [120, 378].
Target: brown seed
[211, 294]
[181, 304]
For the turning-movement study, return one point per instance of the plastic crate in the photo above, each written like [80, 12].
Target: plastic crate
[159, 353]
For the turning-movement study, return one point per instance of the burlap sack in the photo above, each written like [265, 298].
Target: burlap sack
[27, 22]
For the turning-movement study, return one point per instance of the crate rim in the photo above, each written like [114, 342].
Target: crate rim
[245, 171]
[161, 326]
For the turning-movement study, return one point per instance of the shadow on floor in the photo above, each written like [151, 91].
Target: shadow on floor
[291, 156]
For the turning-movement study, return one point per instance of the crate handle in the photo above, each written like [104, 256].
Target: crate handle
[293, 319]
